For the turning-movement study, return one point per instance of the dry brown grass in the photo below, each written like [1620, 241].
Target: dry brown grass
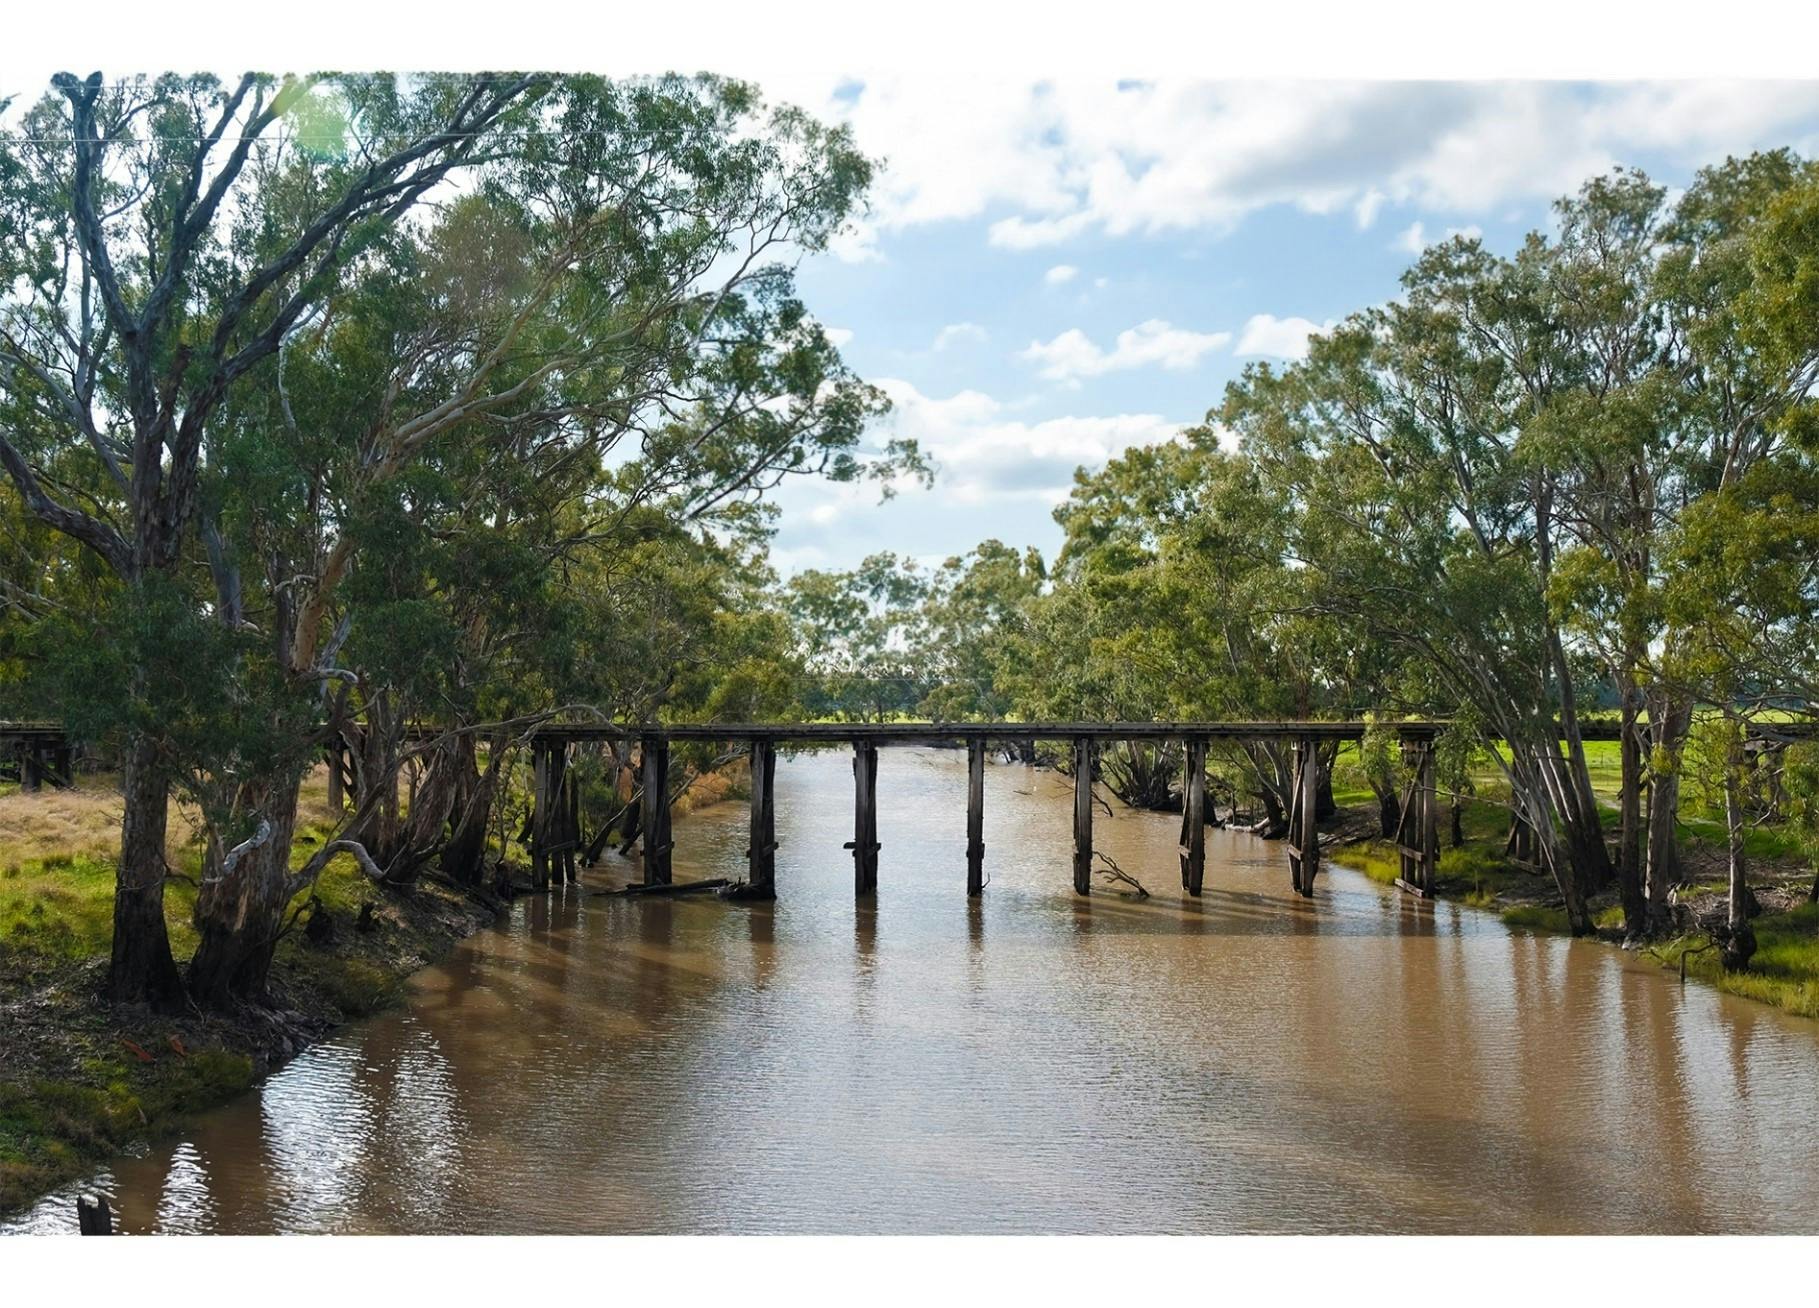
[79, 823]
[85, 822]
[730, 781]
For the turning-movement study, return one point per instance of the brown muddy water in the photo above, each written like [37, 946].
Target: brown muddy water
[1026, 1062]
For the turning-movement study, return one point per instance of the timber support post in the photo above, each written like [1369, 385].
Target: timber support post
[1303, 822]
[571, 819]
[975, 815]
[1193, 818]
[762, 855]
[864, 843]
[1520, 846]
[655, 760]
[1083, 815]
[31, 767]
[1418, 833]
[540, 814]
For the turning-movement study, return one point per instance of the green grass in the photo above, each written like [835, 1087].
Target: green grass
[1539, 917]
[1784, 971]
[50, 1130]
[58, 909]
[62, 907]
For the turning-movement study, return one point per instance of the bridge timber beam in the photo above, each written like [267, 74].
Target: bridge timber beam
[36, 753]
[864, 843]
[885, 733]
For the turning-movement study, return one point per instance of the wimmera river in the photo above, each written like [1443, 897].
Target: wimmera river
[1024, 1062]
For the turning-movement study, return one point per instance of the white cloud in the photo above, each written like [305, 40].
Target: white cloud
[984, 454]
[1413, 239]
[1073, 355]
[1060, 274]
[838, 337]
[1063, 158]
[959, 333]
[1282, 338]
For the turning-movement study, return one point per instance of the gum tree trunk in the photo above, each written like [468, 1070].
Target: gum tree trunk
[1670, 719]
[1629, 867]
[240, 910]
[464, 856]
[142, 969]
[1738, 943]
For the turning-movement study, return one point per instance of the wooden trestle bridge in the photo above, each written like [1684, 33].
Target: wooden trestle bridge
[555, 830]
[33, 753]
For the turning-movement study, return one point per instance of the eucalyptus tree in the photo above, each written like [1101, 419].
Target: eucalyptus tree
[140, 286]
[1423, 516]
[1741, 569]
[1744, 360]
[1174, 597]
[602, 339]
[974, 602]
[598, 322]
[855, 633]
[1612, 426]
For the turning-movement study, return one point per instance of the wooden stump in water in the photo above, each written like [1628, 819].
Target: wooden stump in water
[93, 1216]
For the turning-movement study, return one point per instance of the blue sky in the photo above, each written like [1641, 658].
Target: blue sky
[1052, 272]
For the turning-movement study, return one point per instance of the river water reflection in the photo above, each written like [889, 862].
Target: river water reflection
[1025, 1062]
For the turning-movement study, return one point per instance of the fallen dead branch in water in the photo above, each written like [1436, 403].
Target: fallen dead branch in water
[1115, 875]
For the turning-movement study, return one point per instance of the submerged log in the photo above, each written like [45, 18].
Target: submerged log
[668, 889]
[1116, 875]
[746, 891]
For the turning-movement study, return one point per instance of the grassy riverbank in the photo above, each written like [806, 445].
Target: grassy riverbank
[1785, 969]
[80, 1080]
